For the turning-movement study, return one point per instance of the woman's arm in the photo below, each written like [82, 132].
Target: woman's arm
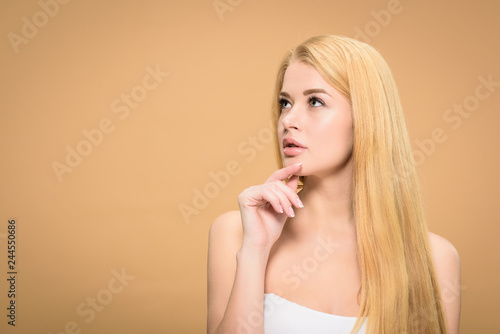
[236, 275]
[237, 269]
[447, 266]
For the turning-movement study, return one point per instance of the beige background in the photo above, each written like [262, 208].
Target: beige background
[120, 207]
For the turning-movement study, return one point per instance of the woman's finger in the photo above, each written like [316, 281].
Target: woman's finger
[284, 173]
[284, 201]
[290, 191]
[293, 182]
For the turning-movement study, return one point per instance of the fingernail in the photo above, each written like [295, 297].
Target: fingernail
[291, 212]
[300, 163]
[281, 209]
[300, 203]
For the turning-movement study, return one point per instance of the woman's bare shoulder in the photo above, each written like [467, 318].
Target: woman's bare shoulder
[445, 257]
[447, 267]
[226, 233]
[225, 238]
[228, 221]
[442, 248]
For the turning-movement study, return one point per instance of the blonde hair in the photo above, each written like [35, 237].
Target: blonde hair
[399, 291]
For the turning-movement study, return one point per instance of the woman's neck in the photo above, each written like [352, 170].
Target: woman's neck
[327, 208]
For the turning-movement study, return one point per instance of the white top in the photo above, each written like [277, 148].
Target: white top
[283, 316]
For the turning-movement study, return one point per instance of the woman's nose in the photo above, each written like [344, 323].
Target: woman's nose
[291, 119]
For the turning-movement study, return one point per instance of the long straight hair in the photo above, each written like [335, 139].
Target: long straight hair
[399, 291]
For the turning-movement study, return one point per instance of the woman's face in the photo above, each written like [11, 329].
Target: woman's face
[318, 117]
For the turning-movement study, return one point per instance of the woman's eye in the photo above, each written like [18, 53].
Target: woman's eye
[315, 102]
[284, 103]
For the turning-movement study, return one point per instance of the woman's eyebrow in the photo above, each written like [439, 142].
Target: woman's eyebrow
[307, 92]
[315, 90]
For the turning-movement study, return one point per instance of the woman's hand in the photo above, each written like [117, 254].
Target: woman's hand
[265, 208]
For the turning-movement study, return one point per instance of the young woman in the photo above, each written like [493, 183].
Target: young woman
[350, 251]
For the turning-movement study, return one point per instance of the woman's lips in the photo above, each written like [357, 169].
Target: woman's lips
[292, 147]
[293, 151]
